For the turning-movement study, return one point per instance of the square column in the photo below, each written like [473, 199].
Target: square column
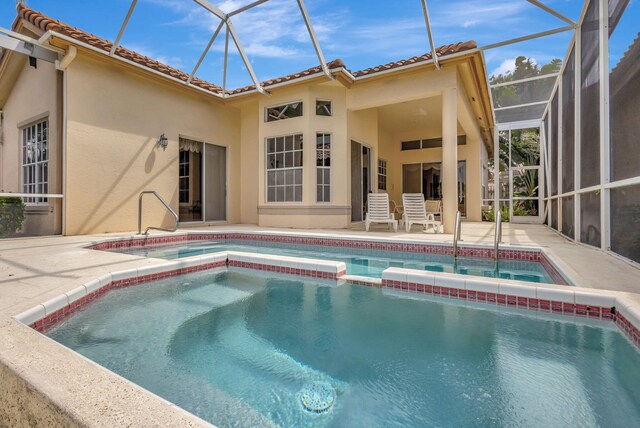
[449, 158]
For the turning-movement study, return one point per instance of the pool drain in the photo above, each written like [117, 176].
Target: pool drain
[317, 397]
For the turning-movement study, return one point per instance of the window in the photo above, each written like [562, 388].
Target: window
[323, 167]
[323, 108]
[184, 176]
[35, 160]
[284, 168]
[285, 111]
[382, 174]
[429, 143]
[426, 178]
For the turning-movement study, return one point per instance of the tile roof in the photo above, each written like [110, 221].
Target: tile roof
[46, 23]
[440, 52]
[308, 72]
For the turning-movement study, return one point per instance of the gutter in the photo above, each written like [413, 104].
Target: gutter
[292, 81]
[73, 41]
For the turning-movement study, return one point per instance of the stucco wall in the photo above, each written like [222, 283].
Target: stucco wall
[308, 213]
[390, 150]
[34, 97]
[115, 117]
[249, 162]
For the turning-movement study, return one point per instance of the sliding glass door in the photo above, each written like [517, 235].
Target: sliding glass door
[202, 181]
[426, 178]
[360, 179]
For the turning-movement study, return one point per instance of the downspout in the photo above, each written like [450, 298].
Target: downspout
[62, 65]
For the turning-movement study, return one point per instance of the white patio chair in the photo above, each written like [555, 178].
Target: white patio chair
[434, 206]
[415, 212]
[378, 212]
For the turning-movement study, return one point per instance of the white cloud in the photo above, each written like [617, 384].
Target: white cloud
[507, 66]
[272, 29]
[478, 12]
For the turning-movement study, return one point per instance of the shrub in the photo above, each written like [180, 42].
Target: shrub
[490, 215]
[11, 215]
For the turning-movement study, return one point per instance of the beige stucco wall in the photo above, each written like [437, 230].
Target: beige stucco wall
[115, 117]
[34, 97]
[116, 114]
[308, 213]
[473, 153]
[249, 161]
[407, 86]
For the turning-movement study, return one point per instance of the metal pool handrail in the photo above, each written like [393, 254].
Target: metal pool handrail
[498, 237]
[175, 216]
[456, 234]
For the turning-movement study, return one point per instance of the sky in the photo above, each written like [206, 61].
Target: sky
[363, 33]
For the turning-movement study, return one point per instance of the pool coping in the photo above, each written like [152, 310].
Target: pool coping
[549, 298]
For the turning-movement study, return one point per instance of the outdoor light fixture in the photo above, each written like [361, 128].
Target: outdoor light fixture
[163, 142]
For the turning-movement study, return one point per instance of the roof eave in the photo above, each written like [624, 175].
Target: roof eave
[70, 40]
[315, 75]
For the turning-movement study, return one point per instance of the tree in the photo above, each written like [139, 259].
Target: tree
[522, 93]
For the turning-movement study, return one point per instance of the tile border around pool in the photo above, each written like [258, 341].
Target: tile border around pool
[509, 293]
[516, 294]
[47, 315]
[506, 252]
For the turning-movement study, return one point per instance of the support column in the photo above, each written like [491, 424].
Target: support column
[449, 158]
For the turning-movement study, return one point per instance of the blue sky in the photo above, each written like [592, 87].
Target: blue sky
[363, 33]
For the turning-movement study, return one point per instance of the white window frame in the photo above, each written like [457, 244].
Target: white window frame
[293, 168]
[382, 164]
[29, 135]
[188, 176]
[330, 110]
[330, 167]
[285, 105]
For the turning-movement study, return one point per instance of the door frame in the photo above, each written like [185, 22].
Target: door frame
[203, 176]
[371, 186]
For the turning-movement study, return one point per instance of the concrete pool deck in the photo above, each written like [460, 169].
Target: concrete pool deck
[33, 270]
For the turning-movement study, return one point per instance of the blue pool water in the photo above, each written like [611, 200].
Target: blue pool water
[239, 348]
[363, 262]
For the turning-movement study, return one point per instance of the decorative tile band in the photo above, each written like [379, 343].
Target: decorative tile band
[287, 270]
[529, 303]
[52, 312]
[366, 244]
[51, 320]
[424, 284]
[630, 330]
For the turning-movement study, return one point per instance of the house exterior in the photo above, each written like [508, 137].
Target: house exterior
[305, 156]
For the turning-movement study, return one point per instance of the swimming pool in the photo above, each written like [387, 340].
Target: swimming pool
[359, 261]
[239, 348]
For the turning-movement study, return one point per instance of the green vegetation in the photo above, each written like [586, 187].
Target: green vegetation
[11, 215]
[524, 148]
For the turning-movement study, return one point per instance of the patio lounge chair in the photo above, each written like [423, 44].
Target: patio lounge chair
[434, 206]
[415, 212]
[378, 212]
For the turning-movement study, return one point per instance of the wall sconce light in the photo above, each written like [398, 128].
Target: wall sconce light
[163, 142]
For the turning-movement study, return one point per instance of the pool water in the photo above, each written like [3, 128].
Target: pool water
[238, 348]
[362, 262]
